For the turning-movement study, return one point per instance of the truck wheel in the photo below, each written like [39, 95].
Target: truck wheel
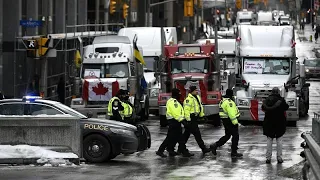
[302, 109]
[163, 121]
[214, 120]
[96, 148]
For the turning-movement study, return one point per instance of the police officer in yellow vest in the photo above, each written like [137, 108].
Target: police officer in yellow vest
[175, 116]
[115, 106]
[229, 113]
[193, 111]
[127, 113]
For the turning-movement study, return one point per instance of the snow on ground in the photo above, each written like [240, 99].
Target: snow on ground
[45, 156]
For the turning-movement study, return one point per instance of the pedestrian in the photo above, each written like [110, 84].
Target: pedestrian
[274, 125]
[127, 113]
[302, 25]
[61, 90]
[193, 111]
[229, 113]
[175, 116]
[115, 106]
[34, 88]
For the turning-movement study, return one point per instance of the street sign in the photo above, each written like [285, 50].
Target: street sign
[30, 23]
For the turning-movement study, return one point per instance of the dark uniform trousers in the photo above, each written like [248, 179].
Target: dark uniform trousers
[230, 130]
[174, 136]
[192, 128]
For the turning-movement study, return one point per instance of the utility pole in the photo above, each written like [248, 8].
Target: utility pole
[106, 13]
[217, 59]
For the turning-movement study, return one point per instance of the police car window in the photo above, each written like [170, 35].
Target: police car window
[39, 109]
[11, 109]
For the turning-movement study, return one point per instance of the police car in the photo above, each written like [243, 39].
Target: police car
[102, 139]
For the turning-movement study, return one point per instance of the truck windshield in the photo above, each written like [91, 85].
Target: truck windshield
[266, 66]
[189, 66]
[112, 70]
[312, 63]
[149, 63]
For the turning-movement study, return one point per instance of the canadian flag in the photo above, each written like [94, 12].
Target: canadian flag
[99, 90]
[255, 110]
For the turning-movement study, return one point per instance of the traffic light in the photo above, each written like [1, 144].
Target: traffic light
[112, 6]
[43, 46]
[281, 1]
[125, 8]
[239, 4]
[32, 46]
[188, 8]
[265, 2]
[200, 3]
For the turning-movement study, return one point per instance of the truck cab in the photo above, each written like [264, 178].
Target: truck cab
[244, 17]
[188, 65]
[267, 59]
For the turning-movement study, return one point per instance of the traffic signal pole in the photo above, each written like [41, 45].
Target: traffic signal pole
[106, 14]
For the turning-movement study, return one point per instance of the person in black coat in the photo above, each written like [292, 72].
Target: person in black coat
[274, 125]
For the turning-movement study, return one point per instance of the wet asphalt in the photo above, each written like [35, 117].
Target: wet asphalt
[146, 165]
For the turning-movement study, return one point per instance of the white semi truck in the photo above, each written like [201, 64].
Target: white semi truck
[244, 17]
[152, 40]
[108, 65]
[267, 59]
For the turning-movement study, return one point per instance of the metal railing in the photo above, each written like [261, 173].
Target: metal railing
[312, 149]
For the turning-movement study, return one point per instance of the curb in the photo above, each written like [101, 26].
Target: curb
[28, 161]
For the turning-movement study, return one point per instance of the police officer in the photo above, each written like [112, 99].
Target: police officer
[127, 113]
[229, 113]
[175, 116]
[115, 106]
[193, 110]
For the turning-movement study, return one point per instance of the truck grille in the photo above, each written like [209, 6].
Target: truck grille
[262, 94]
[144, 137]
[97, 103]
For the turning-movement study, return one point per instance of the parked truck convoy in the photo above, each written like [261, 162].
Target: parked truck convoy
[185, 65]
[267, 59]
[108, 65]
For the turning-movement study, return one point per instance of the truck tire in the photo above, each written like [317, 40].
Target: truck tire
[163, 121]
[302, 109]
[96, 148]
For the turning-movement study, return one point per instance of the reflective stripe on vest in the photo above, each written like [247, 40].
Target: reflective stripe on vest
[127, 110]
[110, 105]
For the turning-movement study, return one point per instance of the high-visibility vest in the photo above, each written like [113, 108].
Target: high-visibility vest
[174, 110]
[229, 109]
[191, 106]
[127, 110]
[110, 105]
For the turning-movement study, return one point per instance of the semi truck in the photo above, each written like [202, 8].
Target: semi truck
[267, 59]
[186, 65]
[244, 17]
[107, 66]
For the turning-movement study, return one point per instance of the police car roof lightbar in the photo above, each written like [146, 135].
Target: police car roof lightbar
[31, 97]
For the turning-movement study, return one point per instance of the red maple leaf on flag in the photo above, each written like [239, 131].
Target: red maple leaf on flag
[100, 89]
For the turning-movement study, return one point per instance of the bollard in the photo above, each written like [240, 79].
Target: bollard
[310, 38]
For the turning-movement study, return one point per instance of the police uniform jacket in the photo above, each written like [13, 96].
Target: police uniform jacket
[192, 105]
[174, 110]
[229, 109]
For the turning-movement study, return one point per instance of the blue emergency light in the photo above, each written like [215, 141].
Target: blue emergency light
[31, 98]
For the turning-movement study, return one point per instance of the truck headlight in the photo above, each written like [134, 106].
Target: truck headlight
[291, 102]
[122, 131]
[243, 102]
[307, 70]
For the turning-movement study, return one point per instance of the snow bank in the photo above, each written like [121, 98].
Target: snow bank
[26, 151]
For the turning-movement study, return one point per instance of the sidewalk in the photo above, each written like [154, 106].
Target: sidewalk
[304, 36]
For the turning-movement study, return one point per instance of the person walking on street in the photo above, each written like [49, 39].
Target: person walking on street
[193, 111]
[229, 113]
[115, 106]
[274, 124]
[175, 116]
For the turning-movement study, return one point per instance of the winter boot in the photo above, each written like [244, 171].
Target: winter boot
[213, 148]
[236, 155]
[161, 154]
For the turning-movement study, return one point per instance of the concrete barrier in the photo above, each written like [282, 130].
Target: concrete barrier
[42, 131]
